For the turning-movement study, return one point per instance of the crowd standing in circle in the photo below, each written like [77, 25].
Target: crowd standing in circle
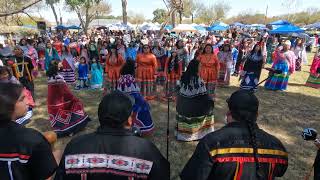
[131, 69]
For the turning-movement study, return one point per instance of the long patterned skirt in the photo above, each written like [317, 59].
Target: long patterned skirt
[147, 83]
[279, 81]
[194, 128]
[111, 80]
[161, 75]
[249, 81]
[141, 117]
[298, 64]
[314, 81]
[224, 75]
[66, 112]
[68, 75]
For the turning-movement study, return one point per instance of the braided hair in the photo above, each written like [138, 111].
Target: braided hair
[247, 112]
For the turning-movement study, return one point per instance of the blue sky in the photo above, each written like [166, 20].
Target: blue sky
[146, 7]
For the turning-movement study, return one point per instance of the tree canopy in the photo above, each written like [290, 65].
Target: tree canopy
[159, 15]
[88, 10]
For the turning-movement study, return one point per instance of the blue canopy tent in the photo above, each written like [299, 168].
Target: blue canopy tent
[218, 28]
[238, 24]
[73, 27]
[168, 27]
[314, 25]
[280, 22]
[61, 27]
[200, 28]
[287, 29]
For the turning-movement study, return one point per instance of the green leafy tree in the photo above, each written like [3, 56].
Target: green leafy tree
[159, 15]
[88, 10]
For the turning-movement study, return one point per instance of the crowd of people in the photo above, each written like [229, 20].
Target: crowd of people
[131, 69]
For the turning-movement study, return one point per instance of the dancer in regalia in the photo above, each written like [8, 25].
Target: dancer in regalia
[252, 69]
[146, 71]
[66, 112]
[285, 62]
[114, 63]
[141, 117]
[195, 117]
[68, 62]
[314, 77]
[173, 72]
[209, 69]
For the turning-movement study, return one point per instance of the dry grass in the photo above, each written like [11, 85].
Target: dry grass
[283, 114]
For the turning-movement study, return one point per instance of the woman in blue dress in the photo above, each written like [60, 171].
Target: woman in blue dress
[96, 79]
[141, 117]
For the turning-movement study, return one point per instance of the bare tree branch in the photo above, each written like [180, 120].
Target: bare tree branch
[19, 10]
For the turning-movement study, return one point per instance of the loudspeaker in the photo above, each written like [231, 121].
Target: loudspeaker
[41, 25]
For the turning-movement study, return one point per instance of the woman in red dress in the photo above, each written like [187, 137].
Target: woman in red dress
[114, 63]
[146, 73]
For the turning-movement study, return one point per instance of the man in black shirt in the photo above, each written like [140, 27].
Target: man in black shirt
[113, 152]
[240, 150]
[25, 154]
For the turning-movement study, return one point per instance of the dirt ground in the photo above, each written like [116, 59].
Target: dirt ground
[283, 114]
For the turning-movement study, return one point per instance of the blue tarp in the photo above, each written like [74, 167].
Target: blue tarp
[287, 29]
[238, 24]
[280, 22]
[218, 28]
[200, 28]
[61, 27]
[168, 27]
[314, 25]
[73, 27]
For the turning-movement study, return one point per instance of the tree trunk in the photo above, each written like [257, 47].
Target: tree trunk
[173, 19]
[180, 17]
[124, 12]
[192, 18]
[54, 13]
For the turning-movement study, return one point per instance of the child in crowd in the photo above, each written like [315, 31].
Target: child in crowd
[83, 70]
[96, 78]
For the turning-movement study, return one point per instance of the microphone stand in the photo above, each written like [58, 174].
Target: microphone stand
[168, 116]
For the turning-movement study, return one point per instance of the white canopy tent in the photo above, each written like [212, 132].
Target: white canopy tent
[184, 28]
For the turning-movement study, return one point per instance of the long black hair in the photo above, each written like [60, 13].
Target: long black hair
[112, 46]
[173, 64]
[9, 95]
[191, 75]
[204, 50]
[128, 68]
[53, 69]
[244, 108]
[253, 50]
